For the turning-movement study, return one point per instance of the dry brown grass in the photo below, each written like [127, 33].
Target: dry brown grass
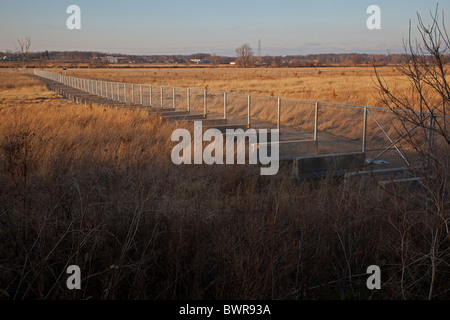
[352, 85]
[93, 186]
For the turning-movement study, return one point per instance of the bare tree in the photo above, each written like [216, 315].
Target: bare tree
[245, 55]
[423, 114]
[277, 62]
[23, 47]
[214, 59]
[424, 65]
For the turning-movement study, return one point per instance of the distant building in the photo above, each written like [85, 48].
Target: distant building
[110, 59]
[200, 61]
[6, 58]
[233, 63]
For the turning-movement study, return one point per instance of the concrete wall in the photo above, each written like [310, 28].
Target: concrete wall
[322, 165]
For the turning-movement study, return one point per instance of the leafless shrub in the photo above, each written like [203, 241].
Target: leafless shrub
[424, 122]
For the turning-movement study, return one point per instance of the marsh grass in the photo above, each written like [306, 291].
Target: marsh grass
[94, 186]
[352, 85]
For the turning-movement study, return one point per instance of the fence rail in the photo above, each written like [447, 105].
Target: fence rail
[346, 127]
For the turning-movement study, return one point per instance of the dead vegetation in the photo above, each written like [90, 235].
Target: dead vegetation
[351, 85]
[95, 187]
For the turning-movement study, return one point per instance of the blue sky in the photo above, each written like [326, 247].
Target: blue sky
[183, 27]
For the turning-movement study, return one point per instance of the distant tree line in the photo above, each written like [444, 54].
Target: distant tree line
[244, 58]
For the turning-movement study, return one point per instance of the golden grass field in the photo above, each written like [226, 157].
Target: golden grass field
[94, 186]
[27, 105]
[352, 85]
[348, 85]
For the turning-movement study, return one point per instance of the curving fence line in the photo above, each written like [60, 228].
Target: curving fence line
[337, 127]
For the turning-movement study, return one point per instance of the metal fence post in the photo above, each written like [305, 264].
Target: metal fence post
[249, 100]
[162, 97]
[140, 93]
[316, 127]
[173, 98]
[188, 100]
[106, 89]
[118, 92]
[279, 115]
[364, 130]
[204, 103]
[316, 118]
[132, 93]
[151, 89]
[225, 105]
[125, 92]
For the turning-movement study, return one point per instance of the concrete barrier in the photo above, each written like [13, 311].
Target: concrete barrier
[167, 112]
[291, 149]
[383, 177]
[223, 128]
[188, 117]
[211, 123]
[323, 165]
[385, 174]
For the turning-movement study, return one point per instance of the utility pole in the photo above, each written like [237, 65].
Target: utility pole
[259, 52]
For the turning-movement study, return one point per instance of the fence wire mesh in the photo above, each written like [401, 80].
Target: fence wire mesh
[337, 128]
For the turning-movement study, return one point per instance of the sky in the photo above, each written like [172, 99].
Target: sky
[284, 27]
